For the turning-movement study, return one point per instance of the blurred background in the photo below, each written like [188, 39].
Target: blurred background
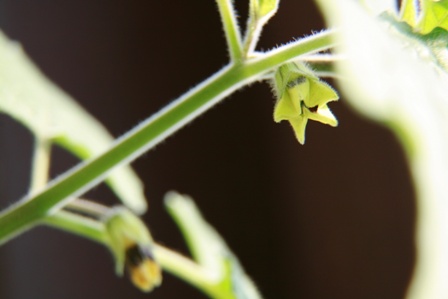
[331, 219]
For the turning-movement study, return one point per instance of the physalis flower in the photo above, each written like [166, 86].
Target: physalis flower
[302, 96]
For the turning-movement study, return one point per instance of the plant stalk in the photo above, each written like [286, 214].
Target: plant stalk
[28, 211]
[171, 261]
[231, 30]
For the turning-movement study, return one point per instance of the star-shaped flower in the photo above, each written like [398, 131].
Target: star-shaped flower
[302, 96]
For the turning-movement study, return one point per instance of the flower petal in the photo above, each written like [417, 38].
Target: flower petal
[299, 90]
[323, 115]
[299, 124]
[320, 94]
[285, 109]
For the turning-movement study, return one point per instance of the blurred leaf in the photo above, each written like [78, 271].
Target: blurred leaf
[210, 250]
[432, 47]
[389, 78]
[48, 112]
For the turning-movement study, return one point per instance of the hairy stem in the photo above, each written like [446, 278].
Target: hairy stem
[28, 211]
[231, 29]
[171, 261]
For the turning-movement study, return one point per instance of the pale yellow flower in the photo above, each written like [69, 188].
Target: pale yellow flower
[302, 96]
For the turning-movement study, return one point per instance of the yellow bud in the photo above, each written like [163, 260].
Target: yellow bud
[132, 246]
[143, 271]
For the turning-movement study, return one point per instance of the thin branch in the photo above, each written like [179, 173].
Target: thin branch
[231, 29]
[79, 225]
[86, 207]
[28, 211]
[323, 64]
[169, 260]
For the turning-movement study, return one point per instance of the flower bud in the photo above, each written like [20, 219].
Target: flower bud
[302, 96]
[132, 246]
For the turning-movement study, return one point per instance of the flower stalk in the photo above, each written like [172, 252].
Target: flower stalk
[31, 209]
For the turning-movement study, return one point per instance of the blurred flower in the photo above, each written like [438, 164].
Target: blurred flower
[132, 246]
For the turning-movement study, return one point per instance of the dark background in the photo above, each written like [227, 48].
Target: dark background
[331, 219]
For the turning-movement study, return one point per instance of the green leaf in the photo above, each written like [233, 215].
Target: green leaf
[210, 250]
[434, 45]
[48, 112]
[434, 14]
[388, 79]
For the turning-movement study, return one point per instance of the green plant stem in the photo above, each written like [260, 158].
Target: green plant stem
[26, 212]
[231, 30]
[83, 206]
[79, 225]
[253, 32]
[323, 64]
[187, 270]
[171, 261]
[251, 39]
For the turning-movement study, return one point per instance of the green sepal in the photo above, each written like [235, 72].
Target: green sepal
[124, 228]
[284, 109]
[324, 116]
[289, 106]
[320, 93]
[299, 125]
[288, 73]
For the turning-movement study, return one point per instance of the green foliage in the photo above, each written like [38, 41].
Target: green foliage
[390, 75]
[394, 71]
[53, 117]
[51, 114]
